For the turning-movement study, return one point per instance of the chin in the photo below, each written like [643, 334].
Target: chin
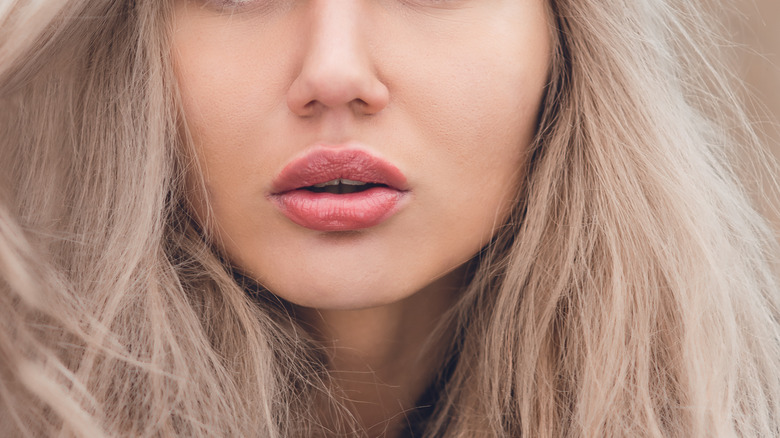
[339, 290]
[350, 297]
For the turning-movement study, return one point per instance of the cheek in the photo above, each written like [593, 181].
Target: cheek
[213, 85]
[480, 123]
[227, 86]
[479, 118]
[482, 108]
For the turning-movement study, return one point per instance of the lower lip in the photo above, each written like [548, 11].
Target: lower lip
[345, 212]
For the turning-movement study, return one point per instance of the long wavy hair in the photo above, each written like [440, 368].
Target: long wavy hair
[632, 292]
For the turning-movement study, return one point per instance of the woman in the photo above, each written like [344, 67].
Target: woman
[383, 218]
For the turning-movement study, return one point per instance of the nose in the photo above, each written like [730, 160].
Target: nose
[337, 70]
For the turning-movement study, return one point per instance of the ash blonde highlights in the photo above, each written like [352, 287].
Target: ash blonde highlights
[632, 293]
[92, 181]
[640, 287]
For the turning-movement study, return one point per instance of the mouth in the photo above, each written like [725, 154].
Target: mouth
[339, 189]
[342, 186]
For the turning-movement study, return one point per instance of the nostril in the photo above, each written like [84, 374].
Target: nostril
[323, 85]
[310, 107]
[315, 107]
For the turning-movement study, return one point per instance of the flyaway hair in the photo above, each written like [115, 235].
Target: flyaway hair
[633, 292]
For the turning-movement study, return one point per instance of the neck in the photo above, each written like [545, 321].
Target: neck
[380, 359]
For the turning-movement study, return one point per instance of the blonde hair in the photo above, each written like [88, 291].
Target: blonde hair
[632, 292]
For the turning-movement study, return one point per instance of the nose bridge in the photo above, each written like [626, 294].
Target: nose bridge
[335, 31]
[336, 68]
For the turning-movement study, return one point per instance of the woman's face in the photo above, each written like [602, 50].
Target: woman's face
[354, 151]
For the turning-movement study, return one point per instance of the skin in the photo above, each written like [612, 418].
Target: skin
[448, 91]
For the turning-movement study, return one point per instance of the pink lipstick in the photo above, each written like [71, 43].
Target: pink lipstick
[338, 189]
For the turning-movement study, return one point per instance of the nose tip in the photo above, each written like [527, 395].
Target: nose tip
[322, 89]
[336, 69]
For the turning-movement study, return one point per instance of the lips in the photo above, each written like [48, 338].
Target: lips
[339, 189]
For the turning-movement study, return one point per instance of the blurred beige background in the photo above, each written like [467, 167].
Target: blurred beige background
[756, 25]
[759, 29]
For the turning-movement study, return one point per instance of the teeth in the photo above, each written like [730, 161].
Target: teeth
[337, 181]
[350, 182]
[333, 182]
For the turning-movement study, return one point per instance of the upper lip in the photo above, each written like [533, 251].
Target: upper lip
[322, 164]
